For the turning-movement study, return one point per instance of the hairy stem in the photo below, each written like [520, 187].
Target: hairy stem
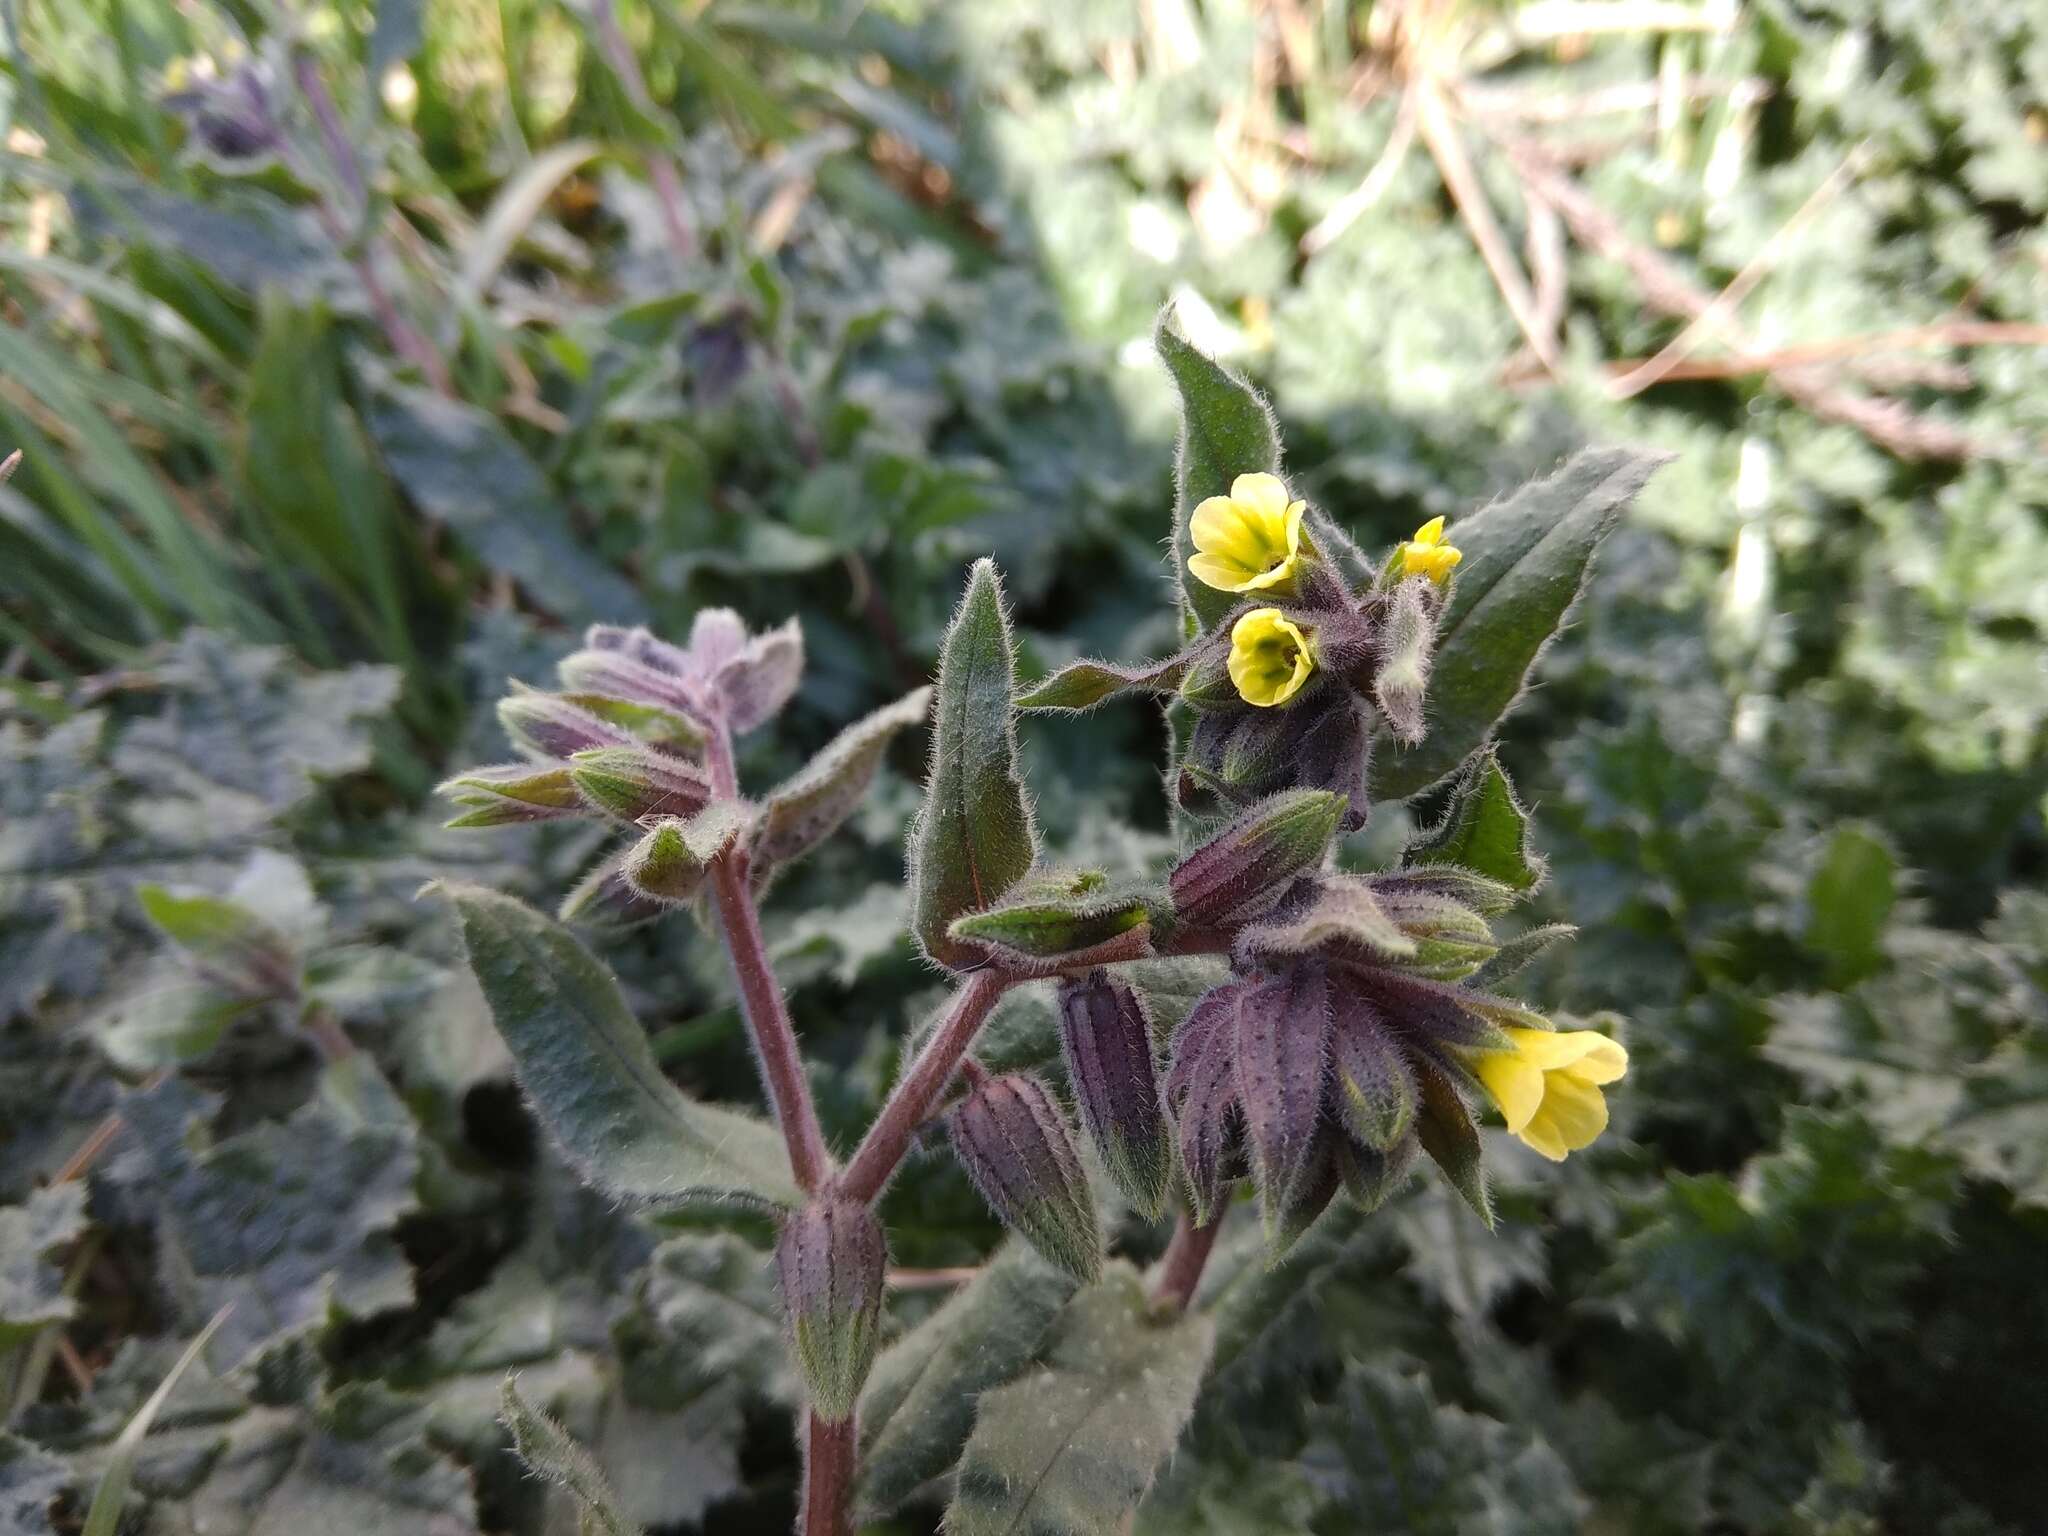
[761, 1000]
[889, 1137]
[1186, 1257]
[828, 1477]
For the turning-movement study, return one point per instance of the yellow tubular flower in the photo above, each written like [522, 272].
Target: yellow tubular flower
[1250, 540]
[1270, 657]
[1428, 555]
[1548, 1086]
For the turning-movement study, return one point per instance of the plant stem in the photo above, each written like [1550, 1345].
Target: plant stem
[1186, 1257]
[828, 1477]
[761, 1001]
[889, 1137]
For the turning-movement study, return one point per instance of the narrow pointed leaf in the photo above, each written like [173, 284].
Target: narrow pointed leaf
[1084, 684]
[549, 1452]
[1226, 430]
[974, 836]
[807, 808]
[1483, 829]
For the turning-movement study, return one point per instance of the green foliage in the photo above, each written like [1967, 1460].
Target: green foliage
[548, 1451]
[1526, 561]
[31, 1287]
[919, 1406]
[974, 836]
[1483, 829]
[585, 1063]
[1226, 431]
[1073, 1445]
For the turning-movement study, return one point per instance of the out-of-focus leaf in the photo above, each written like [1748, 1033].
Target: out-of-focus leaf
[31, 1287]
[584, 1061]
[1848, 901]
[1073, 1446]
[465, 471]
[30, 1483]
[548, 1451]
[104, 1514]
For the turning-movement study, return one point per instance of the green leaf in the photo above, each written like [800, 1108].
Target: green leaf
[31, 1288]
[809, 806]
[583, 1060]
[974, 836]
[1395, 1460]
[105, 1513]
[1070, 1449]
[549, 1452]
[1526, 561]
[1483, 828]
[1226, 430]
[1450, 1138]
[671, 862]
[918, 1409]
[29, 1484]
[1060, 916]
[464, 470]
[1848, 902]
[1084, 684]
[292, 1221]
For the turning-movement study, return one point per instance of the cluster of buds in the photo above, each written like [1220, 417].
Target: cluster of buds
[626, 740]
[1360, 1019]
[1289, 688]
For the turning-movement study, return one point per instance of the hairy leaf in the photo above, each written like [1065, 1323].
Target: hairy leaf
[1483, 829]
[1526, 559]
[918, 1409]
[549, 1452]
[1226, 430]
[585, 1063]
[974, 836]
[1072, 1447]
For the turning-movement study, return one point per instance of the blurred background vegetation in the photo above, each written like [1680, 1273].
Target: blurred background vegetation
[362, 352]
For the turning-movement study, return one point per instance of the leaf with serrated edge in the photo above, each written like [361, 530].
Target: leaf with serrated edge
[1483, 829]
[1226, 430]
[919, 1405]
[1073, 1446]
[1526, 559]
[584, 1062]
[974, 836]
[807, 808]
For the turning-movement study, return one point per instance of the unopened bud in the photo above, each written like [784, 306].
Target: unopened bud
[1016, 1146]
[831, 1259]
[632, 782]
[1376, 1093]
[549, 727]
[1407, 639]
[1245, 868]
[620, 674]
[511, 793]
[762, 677]
[1107, 1040]
[1071, 918]
[670, 862]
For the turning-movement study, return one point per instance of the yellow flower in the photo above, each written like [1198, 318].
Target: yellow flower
[1270, 657]
[1250, 540]
[1428, 555]
[1548, 1086]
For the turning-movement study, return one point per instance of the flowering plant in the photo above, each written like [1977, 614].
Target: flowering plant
[1253, 1017]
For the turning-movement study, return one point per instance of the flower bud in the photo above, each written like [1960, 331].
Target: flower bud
[632, 782]
[1407, 640]
[761, 677]
[1015, 1145]
[549, 727]
[620, 674]
[1283, 1037]
[1376, 1093]
[1245, 868]
[831, 1259]
[1106, 1037]
[510, 793]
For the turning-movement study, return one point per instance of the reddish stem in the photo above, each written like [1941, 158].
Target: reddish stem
[1186, 1257]
[767, 1015]
[828, 1477]
[889, 1137]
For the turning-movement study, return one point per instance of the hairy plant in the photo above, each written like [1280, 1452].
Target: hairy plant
[1355, 1022]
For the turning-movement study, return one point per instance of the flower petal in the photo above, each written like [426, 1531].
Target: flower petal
[1263, 494]
[1575, 1112]
[1220, 528]
[1430, 532]
[1515, 1084]
[1554, 1050]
